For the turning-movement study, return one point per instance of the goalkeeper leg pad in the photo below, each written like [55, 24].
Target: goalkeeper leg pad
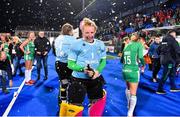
[70, 110]
[63, 109]
[97, 108]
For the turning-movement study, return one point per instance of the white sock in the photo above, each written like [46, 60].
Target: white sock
[132, 104]
[26, 75]
[127, 96]
[29, 74]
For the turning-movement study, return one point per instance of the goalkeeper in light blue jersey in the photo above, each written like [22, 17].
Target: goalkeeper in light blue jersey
[85, 53]
[62, 46]
[87, 59]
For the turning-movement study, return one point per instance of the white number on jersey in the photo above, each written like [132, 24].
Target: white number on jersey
[127, 59]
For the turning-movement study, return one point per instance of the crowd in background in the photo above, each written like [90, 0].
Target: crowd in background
[136, 22]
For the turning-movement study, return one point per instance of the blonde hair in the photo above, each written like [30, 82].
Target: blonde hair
[3, 34]
[87, 22]
[16, 39]
[28, 35]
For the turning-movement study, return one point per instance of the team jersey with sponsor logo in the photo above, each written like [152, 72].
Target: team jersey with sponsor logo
[29, 47]
[132, 55]
[85, 53]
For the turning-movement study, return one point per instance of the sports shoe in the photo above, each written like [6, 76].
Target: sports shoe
[13, 75]
[154, 80]
[45, 78]
[28, 83]
[21, 74]
[174, 90]
[38, 78]
[31, 81]
[160, 92]
[5, 91]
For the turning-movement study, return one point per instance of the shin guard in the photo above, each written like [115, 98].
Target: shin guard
[97, 108]
[63, 88]
[70, 110]
[63, 109]
[74, 110]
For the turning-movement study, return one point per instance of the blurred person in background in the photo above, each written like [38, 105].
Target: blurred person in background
[155, 57]
[28, 48]
[42, 48]
[169, 52]
[18, 55]
[5, 69]
[5, 47]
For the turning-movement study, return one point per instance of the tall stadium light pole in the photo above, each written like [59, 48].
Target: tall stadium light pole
[84, 8]
[83, 4]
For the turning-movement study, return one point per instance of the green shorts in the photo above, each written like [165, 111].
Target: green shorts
[131, 76]
[28, 57]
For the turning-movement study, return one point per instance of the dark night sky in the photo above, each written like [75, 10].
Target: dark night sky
[51, 14]
[43, 13]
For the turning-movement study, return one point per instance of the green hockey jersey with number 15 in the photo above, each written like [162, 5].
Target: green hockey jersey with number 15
[132, 56]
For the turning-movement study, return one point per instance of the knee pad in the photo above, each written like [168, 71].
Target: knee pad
[97, 108]
[63, 88]
[64, 83]
[76, 92]
[70, 110]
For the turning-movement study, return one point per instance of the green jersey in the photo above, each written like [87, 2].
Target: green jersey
[6, 49]
[29, 47]
[132, 54]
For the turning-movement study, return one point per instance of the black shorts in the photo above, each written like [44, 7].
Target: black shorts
[78, 88]
[62, 70]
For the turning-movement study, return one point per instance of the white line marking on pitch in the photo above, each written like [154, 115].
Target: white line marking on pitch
[14, 98]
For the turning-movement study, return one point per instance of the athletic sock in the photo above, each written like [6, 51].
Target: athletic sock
[132, 104]
[29, 74]
[127, 96]
[26, 75]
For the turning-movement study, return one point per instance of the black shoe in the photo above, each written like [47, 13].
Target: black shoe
[5, 91]
[57, 113]
[14, 75]
[160, 92]
[38, 78]
[174, 90]
[21, 74]
[45, 78]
